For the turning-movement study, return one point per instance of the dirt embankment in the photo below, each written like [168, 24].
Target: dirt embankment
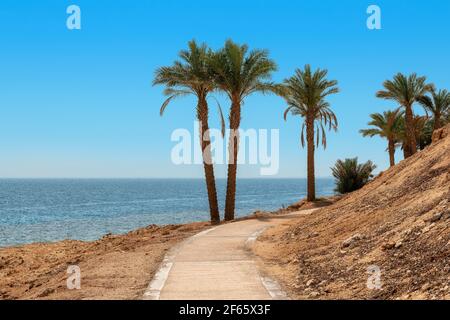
[398, 224]
[114, 267]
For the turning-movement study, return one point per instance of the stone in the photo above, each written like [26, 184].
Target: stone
[436, 217]
[350, 241]
[428, 228]
[388, 245]
[426, 287]
[440, 134]
[310, 283]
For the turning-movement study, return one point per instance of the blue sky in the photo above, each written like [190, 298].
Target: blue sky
[80, 103]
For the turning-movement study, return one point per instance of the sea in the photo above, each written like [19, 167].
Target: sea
[47, 210]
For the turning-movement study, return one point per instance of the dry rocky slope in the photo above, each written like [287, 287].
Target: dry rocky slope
[399, 222]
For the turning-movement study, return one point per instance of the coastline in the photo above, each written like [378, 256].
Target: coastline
[112, 267]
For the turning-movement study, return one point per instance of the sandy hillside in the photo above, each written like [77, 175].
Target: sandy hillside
[114, 267]
[398, 223]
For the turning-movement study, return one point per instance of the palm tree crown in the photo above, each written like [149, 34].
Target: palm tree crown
[305, 94]
[191, 75]
[389, 126]
[438, 104]
[239, 73]
[406, 91]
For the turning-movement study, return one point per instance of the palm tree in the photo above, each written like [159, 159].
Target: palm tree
[437, 105]
[192, 76]
[350, 175]
[240, 73]
[423, 131]
[423, 127]
[387, 125]
[305, 94]
[406, 91]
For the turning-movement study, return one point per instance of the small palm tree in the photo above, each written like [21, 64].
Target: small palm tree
[388, 126]
[240, 73]
[438, 104]
[406, 91]
[305, 93]
[350, 175]
[193, 76]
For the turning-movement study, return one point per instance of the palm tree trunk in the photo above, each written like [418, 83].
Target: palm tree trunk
[391, 149]
[207, 160]
[311, 196]
[410, 130]
[437, 121]
[406, 151]
[233, 148]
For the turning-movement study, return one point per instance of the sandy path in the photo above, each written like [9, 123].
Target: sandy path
[217, 264]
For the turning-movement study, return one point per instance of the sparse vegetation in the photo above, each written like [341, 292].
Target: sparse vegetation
[350, 175]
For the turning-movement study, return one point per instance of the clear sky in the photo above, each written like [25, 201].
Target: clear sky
[80, 103]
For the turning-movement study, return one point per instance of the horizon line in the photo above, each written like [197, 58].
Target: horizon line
[150, 178]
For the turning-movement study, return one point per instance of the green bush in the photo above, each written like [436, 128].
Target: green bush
[350, 175]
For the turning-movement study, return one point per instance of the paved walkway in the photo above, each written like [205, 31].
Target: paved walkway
[216, 264]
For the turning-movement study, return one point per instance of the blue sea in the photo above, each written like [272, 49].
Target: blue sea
[41, 210]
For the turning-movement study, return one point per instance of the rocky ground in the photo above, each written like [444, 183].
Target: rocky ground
[398, 224]
[114, 267]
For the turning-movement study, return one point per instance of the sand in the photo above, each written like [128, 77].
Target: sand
[114, 267]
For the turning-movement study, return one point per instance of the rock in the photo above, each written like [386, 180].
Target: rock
[46, 293]
[436, 217]
[350, 241]
[426, 286]
[428, 228]
[313, 235]
[407, 232]
[440, 134]
[388, 246]
[322, 283]
[310, 283]
[314, 294]
[398, 244]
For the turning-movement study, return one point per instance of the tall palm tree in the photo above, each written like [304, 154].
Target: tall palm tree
[193, 76]
[240, 73]
[406, 91]
[305, 94]
[388, 126]
[437, 105]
